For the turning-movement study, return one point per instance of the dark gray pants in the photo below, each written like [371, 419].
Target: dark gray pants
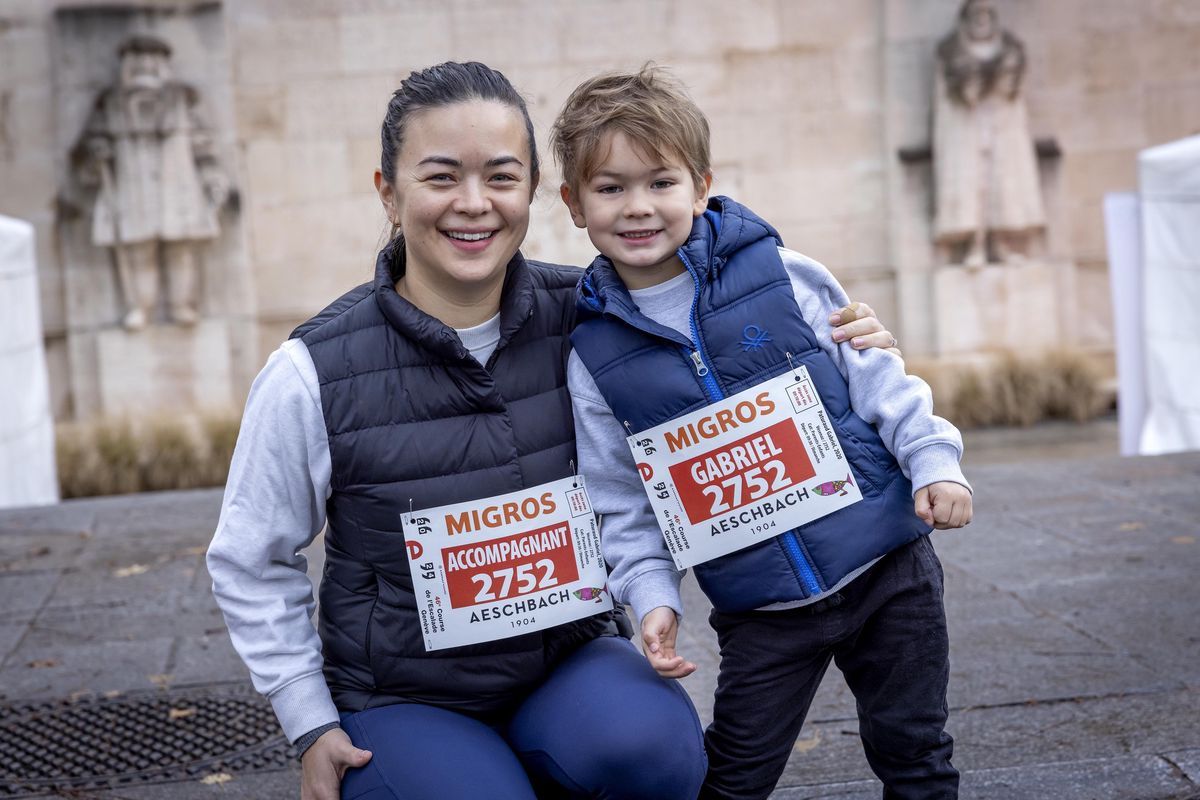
[887, 633]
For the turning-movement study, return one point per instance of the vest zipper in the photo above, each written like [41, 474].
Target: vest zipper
[806, 574]
[699, 357]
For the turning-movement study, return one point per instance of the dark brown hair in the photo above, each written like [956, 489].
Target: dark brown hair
[443, 85]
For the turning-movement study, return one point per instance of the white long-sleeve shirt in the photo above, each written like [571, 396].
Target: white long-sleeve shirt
[274, 506]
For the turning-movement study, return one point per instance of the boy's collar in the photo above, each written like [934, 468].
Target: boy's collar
[602, 288]
[723, 228]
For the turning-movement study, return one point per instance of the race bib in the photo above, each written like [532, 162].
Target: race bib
[507, 565]
[750, 467]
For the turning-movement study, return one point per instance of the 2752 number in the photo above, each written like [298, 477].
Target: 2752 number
[509, 582]
[756, 483]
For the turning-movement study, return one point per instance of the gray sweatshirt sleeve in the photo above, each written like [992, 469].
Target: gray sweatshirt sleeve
[274, 505]
[900, 406]
[642, 572]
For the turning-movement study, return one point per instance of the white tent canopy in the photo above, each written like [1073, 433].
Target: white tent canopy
[1169, 183]
[27, 470]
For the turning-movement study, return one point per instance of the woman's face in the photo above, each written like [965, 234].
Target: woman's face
[461, 194]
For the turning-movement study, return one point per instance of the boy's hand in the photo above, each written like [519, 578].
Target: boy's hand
[943, 505]
[659, 628]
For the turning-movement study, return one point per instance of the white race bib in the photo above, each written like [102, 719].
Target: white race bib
[750, 467]
[506, 565]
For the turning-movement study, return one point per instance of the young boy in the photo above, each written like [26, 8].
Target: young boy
[692, 300]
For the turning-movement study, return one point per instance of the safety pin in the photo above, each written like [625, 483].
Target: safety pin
[792, 366]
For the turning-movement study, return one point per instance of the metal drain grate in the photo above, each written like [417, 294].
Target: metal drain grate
[148, 737]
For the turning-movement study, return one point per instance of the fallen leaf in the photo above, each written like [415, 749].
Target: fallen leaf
[161, 681]
[111, 693]
[1183, 539]
[43, 663]
[805, 745]
[1131, 526]
[132, 569]
[195, 551]
[216, 778]
[181, 713]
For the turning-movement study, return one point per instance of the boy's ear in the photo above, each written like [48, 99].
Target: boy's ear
[573, 205]
[702, 196]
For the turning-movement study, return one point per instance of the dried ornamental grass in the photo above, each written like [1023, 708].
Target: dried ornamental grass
[1022, 392]
[219, 432]
[170, 456]
[1073, 390]
[968, 403]
[119, 456]
[1018, 391]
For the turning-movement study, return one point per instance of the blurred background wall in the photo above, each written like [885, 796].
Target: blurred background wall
[813, 104]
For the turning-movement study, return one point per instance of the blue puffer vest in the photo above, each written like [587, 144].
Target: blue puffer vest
[412, 418]
[649, 374]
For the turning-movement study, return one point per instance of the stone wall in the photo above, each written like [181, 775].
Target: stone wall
[29, 165]
[791, 89]
[1106, 79]
[809, 102]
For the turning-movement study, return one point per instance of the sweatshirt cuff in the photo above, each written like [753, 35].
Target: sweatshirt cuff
[304, 705]
[934, 463]
[658, 587]
[309, 739]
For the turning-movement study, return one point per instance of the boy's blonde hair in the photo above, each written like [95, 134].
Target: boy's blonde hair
[649, 106]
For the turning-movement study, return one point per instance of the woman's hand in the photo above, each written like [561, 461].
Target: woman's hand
[857, 322]
[325, 763]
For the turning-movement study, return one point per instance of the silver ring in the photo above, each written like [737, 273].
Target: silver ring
[894, 342]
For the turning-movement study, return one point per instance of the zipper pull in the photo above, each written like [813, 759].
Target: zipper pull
[698, 362]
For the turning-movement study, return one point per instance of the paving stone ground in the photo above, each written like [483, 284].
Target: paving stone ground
[1073, 600]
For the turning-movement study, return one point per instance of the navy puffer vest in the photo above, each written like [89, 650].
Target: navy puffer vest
[649, 374]
[412, 417]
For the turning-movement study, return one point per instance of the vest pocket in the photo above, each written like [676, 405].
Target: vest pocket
[874, 474]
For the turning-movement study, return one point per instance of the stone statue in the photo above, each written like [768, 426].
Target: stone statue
[151, 155]
[985, 167]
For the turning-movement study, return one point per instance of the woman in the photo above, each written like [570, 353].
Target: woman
[440, 382]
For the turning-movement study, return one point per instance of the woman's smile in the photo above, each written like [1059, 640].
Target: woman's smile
[471, 241]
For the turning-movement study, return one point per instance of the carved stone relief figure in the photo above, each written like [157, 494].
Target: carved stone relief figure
[985, 168]
[149, 152]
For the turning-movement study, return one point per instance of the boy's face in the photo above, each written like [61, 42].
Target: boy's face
[638, 210]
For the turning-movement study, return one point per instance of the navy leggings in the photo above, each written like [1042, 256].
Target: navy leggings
[603, 725]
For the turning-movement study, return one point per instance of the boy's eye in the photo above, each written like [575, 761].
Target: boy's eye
[608, 189]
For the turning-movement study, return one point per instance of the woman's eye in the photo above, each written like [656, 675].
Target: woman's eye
[441, 177]
[663, 183]
[504, 177]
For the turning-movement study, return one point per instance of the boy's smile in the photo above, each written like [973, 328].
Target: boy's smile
[638, 210]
